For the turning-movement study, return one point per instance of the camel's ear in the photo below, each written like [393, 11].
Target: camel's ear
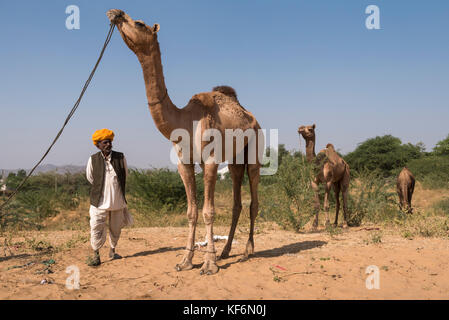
[156, 27]
[314, 126]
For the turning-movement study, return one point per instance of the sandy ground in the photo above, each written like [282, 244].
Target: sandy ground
[286, 265]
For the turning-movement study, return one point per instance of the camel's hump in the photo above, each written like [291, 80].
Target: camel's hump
[211, 99]
[205, 98]
[227, 90]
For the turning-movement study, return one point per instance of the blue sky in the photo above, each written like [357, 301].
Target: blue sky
[291, 63]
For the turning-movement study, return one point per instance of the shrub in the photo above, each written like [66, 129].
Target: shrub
[156, 189]
[442, 147]
[370, 199]
[288, 200]
[442, 206]
[425, 224]
[384, 154]
[42, 196]
[431, 171]
[28, 209]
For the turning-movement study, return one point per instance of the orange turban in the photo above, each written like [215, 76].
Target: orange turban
[103, 134]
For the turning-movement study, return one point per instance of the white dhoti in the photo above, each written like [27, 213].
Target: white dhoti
[103, 220]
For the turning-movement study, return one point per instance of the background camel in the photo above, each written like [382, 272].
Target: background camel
[333, 171]
[218, 110]
[405, 185]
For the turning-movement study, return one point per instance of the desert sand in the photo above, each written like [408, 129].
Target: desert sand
[286, 265]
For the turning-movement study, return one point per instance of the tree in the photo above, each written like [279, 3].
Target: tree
[13, 180]
[385, 153]
[442, 147]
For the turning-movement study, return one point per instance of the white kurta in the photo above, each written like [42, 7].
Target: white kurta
[112, 197]
[112, 207]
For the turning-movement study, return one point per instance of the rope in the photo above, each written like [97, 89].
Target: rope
[75, 106]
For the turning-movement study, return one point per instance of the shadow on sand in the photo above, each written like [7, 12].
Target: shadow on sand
[17, 256]
[289, 248]
[277, 252]
[150, 252]
[26, 255]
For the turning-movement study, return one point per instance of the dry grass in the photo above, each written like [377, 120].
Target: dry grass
[428, 220]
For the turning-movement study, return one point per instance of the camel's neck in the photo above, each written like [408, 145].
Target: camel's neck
[165, 114]
[310, 149]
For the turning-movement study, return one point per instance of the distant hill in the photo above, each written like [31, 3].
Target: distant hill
[48, 168]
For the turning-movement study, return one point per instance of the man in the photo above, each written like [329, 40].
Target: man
[106, 171]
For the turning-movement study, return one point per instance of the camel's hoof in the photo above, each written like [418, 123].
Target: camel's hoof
[249, 249]
[345, 225]
[224, 255]
[208, 268]
[335, 224]
[184, 266]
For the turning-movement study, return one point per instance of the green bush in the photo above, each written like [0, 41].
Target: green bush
[42, 196]
[442, 206]
[158, 189]
[369, 198]
[431, 171]
[386, 154]
[288, 199]
[442, 147]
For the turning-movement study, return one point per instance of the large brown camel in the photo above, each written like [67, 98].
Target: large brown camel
[218, 110]
[405, 186]
[333, 172]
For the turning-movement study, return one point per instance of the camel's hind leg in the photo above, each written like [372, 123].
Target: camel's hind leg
[401, 198]
[409, 198]
[254, 176]
[210, 179]
[237, 173]
[187, 173]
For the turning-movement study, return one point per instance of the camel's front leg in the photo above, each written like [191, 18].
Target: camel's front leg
[337, 202]
[327, 190]
[316, 190]
[210, 178]
[344, 184]
[187, 172]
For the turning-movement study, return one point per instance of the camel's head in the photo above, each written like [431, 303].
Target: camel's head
[307, 132]
[136, 34]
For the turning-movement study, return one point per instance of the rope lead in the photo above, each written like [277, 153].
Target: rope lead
[75, 106]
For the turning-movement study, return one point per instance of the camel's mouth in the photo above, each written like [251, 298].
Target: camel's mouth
[301, 130]
[115, 15]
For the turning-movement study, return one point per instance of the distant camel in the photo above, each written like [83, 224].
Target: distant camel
[333, 172]
[405, 186]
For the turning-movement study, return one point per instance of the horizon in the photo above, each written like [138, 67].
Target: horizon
[170, 165]
[292, 63]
